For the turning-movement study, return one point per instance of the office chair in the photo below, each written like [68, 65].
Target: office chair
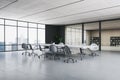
[82, 54]
[57, 52]
[41, 50]
[93, 48]
[92, 53]
[52, 52]
[68, 54]
[25, 47]
[31, 48]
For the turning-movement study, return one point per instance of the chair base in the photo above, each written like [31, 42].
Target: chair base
[70, 59]
[26, 53]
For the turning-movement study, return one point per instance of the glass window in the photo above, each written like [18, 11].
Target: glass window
[2, 48]
[33, 25]
[32, 36]
[1, 35]
[22, 36]
[11, 47]
[1, 21]
[10, 37]
[41, 36]
[14, 38]
[10, 22]
[24, 24]
[20, 47]
[41, 26]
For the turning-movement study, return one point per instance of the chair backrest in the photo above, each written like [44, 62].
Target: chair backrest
[94, 46]
[30, 46]
[40, 48]
[53, 48]
[81, 51]
[24, 46]
[67, 50]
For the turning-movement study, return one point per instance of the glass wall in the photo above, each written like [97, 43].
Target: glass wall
[73, 34]
[22, 36]
[32, 35]
[41, 33]
[110, 35]
[1, 38]
[10, 38]
[14, 33]
[108, 39]
[91, 33]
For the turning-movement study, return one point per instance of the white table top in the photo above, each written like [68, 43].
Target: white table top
[74, 46]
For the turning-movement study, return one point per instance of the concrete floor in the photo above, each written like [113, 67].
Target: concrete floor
[14, 66]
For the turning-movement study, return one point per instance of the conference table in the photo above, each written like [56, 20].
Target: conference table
[93, 47]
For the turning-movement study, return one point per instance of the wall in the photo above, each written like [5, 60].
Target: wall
[52, 31]
[105, 36]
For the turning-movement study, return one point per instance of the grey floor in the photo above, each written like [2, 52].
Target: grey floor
[14, 66]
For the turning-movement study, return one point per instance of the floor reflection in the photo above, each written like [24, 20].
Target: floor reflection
[14, 66]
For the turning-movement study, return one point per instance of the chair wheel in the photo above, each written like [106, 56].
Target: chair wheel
[75, 60]
[39, 57]
[29, 54]
[22, 53]
[25, 54]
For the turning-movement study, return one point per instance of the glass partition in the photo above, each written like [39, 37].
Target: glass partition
[73, 34]
[110, 33]
[91, 33]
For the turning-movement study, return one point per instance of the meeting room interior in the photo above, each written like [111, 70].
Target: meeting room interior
[59, 39]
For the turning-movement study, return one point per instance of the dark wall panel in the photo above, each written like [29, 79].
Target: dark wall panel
[55, 33]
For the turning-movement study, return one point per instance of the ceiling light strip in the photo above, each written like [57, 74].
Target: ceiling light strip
[52, 8]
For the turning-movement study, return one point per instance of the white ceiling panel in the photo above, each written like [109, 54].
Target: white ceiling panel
[60, 11]
[4, 3]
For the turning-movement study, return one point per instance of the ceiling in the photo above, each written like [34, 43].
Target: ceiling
[60, 11]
